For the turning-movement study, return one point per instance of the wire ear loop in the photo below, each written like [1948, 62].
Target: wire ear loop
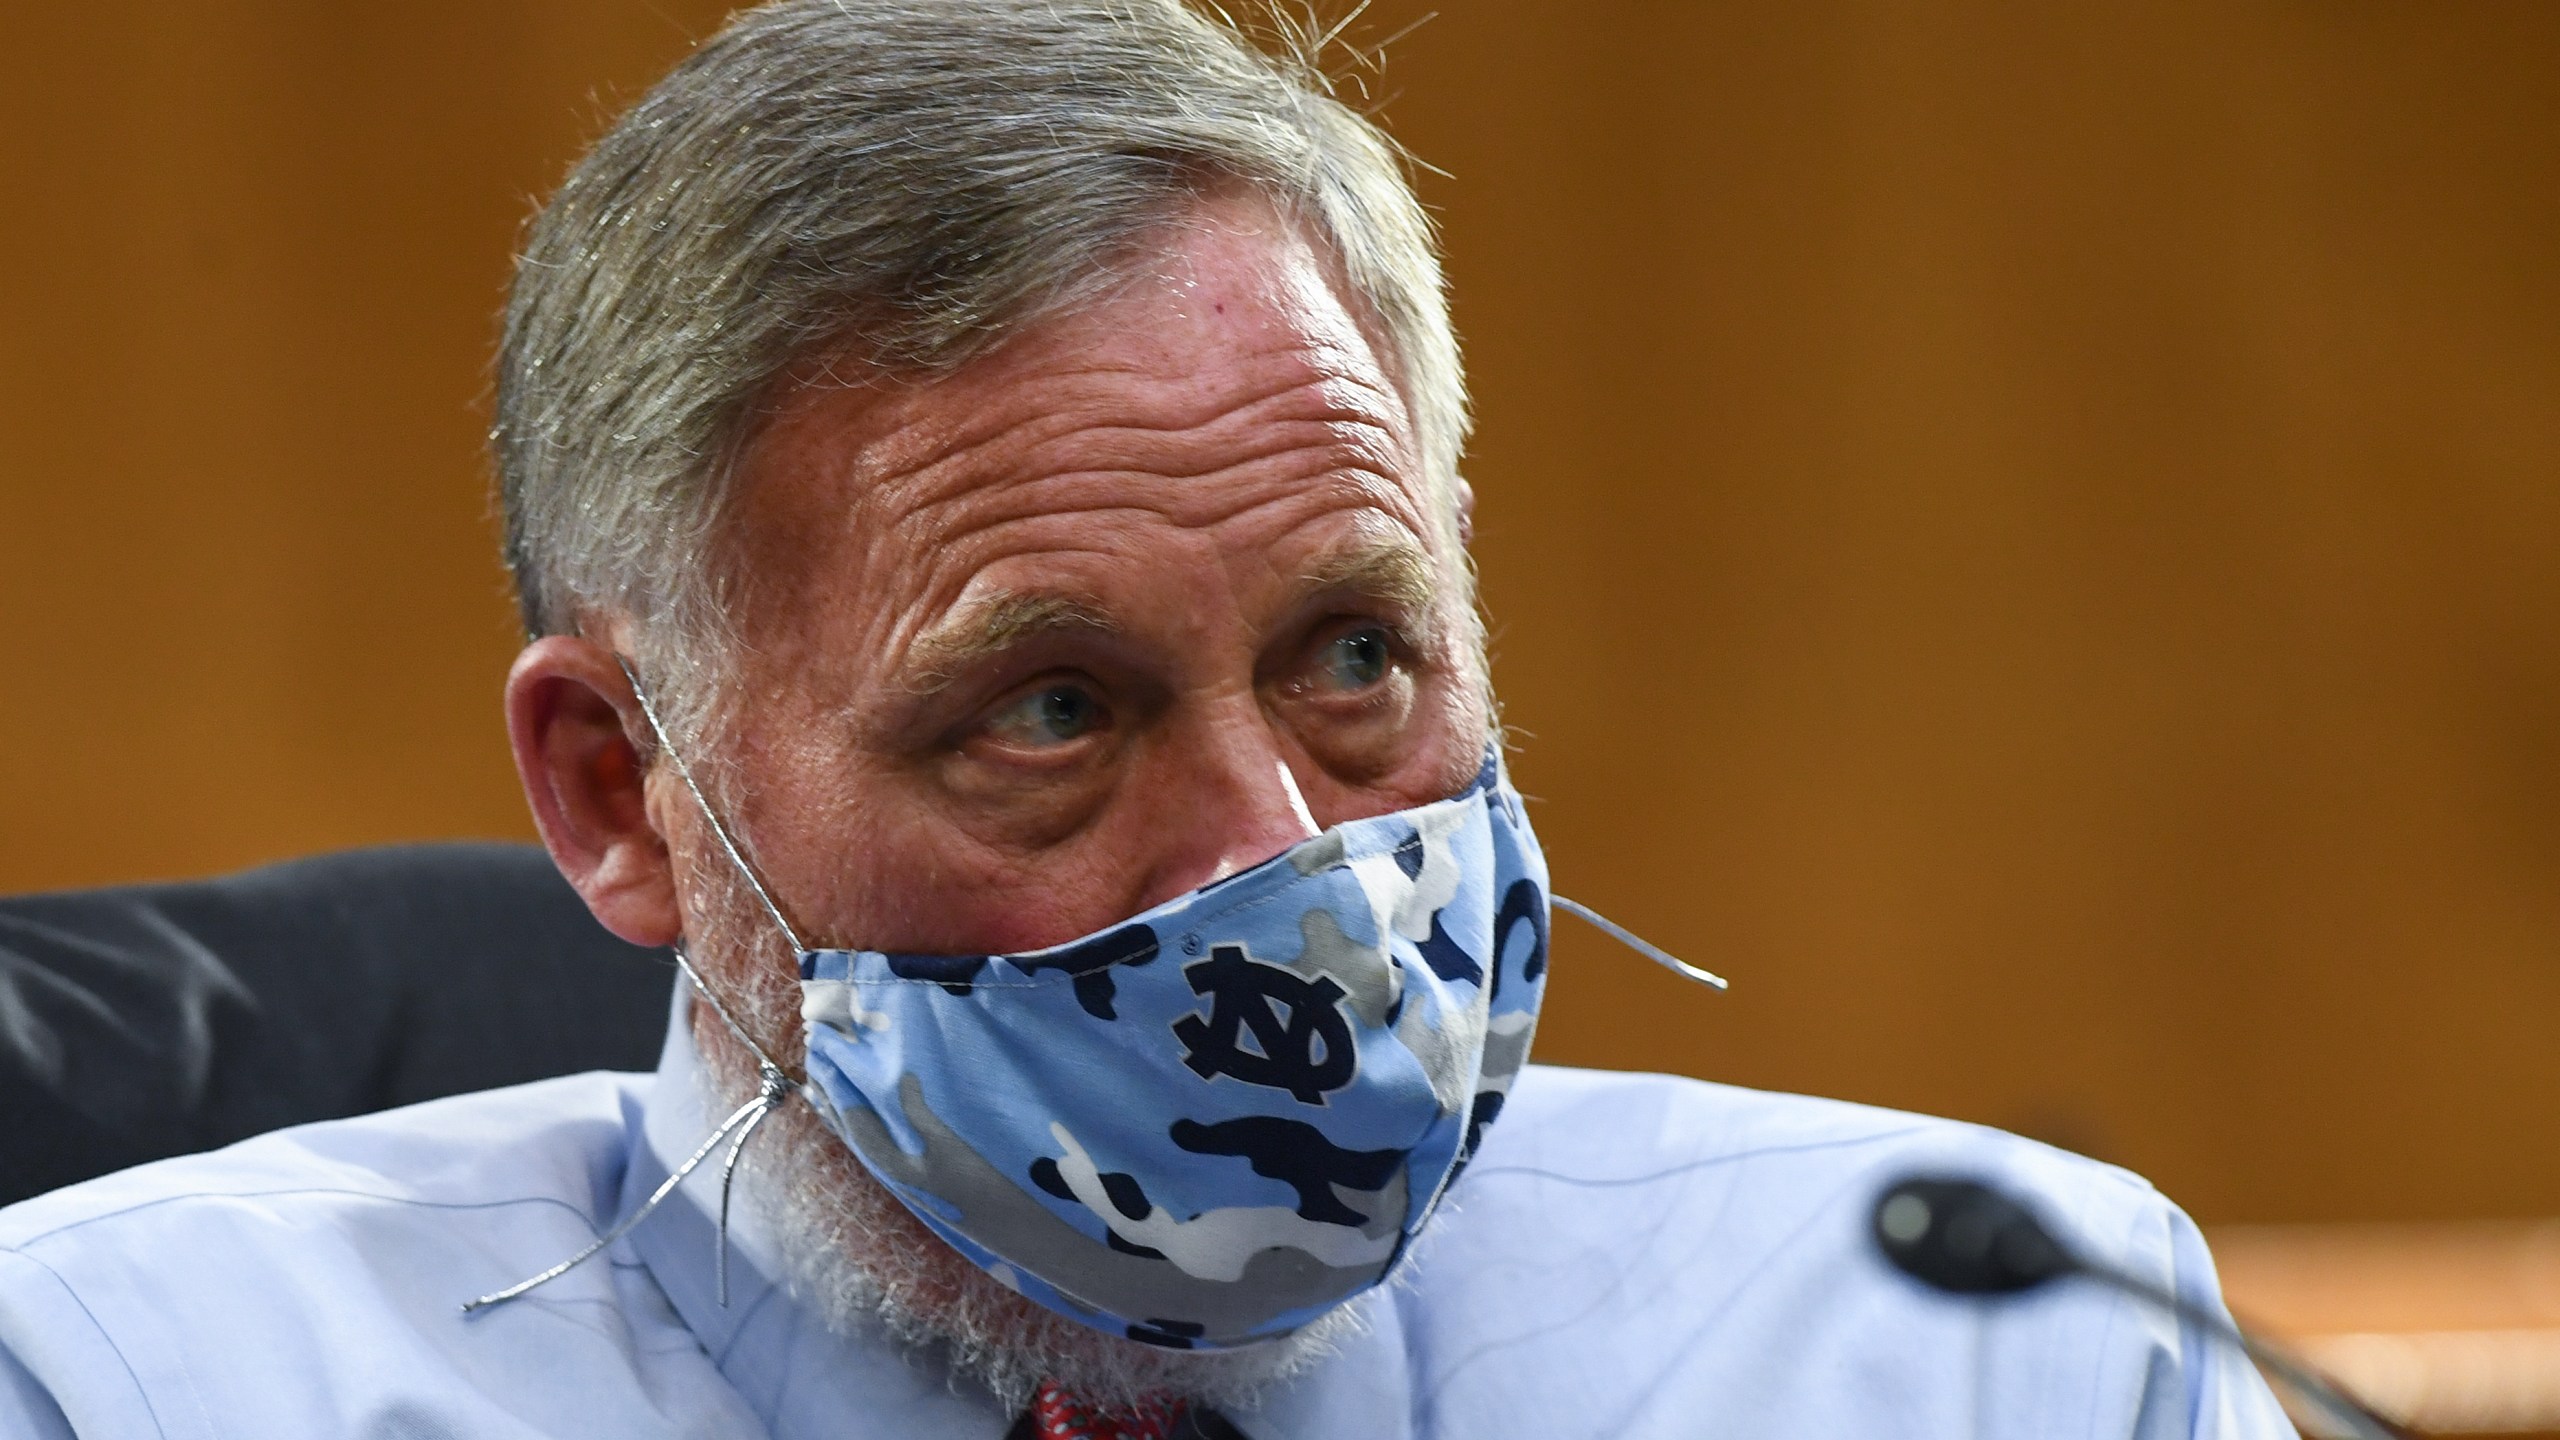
[774, 1086]
[1637, 943]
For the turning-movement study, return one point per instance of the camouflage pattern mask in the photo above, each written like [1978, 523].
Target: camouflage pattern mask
[1211, 1124]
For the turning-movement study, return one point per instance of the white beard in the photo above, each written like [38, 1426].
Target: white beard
[854, 1255]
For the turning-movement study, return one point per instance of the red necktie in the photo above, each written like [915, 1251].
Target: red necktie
[1057, 1415]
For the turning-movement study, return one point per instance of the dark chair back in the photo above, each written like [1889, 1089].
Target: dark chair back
[150, 1020]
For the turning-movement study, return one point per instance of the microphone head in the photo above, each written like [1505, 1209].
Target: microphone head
[1966, 1238]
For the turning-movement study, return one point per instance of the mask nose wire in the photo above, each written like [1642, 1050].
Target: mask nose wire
[1637, 943]
[773, 1085]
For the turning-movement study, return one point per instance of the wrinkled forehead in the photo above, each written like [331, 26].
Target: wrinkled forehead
[1227, 396]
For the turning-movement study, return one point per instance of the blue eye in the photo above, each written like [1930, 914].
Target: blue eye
[1052, 715]
[1358, 660]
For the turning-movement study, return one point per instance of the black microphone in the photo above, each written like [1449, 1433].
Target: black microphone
[1964, 1237]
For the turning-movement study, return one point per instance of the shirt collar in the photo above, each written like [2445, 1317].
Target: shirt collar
[804, 1379]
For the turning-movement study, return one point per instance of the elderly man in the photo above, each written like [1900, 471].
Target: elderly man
[982, 480]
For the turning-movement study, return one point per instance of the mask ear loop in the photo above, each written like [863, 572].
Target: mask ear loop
[773, 1085]
[743, 1120]
[737, 857]
[772, 1088]
[1637, 943]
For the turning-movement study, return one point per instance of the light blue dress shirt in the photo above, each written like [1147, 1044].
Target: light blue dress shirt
[1629, 1256]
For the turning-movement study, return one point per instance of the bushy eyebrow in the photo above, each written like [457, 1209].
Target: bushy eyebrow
[980, 632]
[1397, 573]
[1391, 570]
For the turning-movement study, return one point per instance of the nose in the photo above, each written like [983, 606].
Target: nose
[1228, 801]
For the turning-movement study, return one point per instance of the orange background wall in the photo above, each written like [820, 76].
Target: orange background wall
[2028, 535]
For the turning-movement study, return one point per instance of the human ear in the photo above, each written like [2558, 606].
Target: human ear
[570, 712]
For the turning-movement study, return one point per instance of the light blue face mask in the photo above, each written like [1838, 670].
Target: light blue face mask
[1212, 1123]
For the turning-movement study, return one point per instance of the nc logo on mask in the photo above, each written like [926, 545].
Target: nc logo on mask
[1246, 1036]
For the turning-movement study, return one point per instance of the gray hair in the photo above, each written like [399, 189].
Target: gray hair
[904, 182]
